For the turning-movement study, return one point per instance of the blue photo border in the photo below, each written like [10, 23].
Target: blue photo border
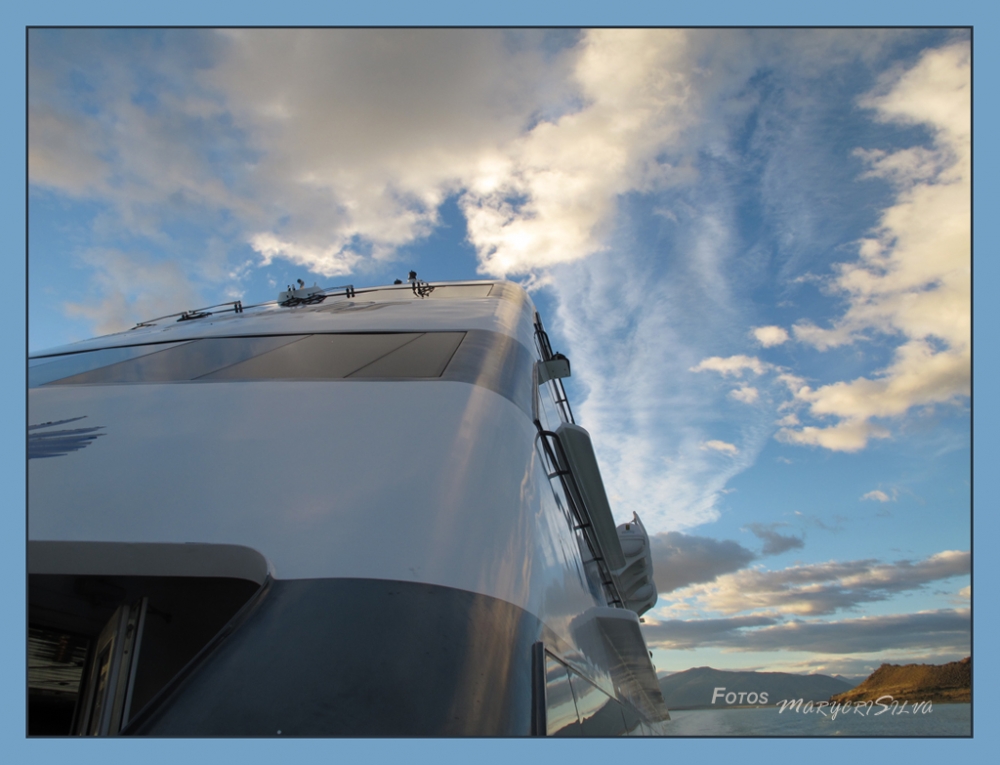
[18, 17]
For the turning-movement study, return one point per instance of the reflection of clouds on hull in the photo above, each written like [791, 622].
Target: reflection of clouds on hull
[56, 443]
[467, 531]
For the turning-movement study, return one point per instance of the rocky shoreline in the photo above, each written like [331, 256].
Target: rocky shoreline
[938, 683]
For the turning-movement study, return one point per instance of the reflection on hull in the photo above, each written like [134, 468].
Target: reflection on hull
[329, 520]
[438, 662]
[435, 662]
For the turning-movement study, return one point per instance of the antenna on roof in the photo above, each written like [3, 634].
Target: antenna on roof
[423, 289]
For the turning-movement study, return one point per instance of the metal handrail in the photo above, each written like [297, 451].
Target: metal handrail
[238, 307]
[552, 444]
[196, 313]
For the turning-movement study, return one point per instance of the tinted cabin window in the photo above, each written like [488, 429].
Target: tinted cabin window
[47, 369]
[599, 714]
[633, 725]
[560, 709]
[316, 357]
[424, 356]
[185, 362]
[280, 357]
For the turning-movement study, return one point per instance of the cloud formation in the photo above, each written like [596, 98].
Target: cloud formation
[363, 135]
[567, 173]
[680, 559]
[861, 666]
[770, 336]
[823, 588]
[877, 495]
[332, 150]
[941, 630]
[720, 446]
[913, 278]
[329, 149]
[732, 366]
[774, 543]
[747, 394]
[128, 282]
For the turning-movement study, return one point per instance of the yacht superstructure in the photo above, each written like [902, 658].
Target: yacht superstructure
[351, 512]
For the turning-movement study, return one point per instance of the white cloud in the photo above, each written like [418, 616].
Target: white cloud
[720, 446]
[821, 588]
[789, 419]
[629, 361]
[731, 366]
[863, 665]
[746, 394]
[770, 336]
[364, 133]
[877, 495]
[846, 436]
[648, 415]
[133, 287]
[332, 149]
[63, 154]
[328, 261]
[913, 276]
[636, 91]
[938, 631]
[327, 148]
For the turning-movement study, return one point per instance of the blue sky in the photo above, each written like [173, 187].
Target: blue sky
[754, 245]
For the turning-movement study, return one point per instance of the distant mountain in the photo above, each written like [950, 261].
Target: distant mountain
[950, 682]
[697, 687]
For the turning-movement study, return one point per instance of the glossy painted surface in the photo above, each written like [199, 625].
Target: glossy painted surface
[359, 657]
[434, 482]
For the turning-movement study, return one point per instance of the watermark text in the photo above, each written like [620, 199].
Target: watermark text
[882, 705]
[740, 697]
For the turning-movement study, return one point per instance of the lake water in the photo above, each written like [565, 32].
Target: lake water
[940, 720]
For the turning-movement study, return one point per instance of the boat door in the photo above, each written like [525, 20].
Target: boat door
[108, 686]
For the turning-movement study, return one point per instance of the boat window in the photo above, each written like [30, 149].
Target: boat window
[633, 724]
[560, 708]
[48, 368]
[489, 359]
[278, 357]
[185, 362]
[316, 357]
[426, 356]
[599, 714]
